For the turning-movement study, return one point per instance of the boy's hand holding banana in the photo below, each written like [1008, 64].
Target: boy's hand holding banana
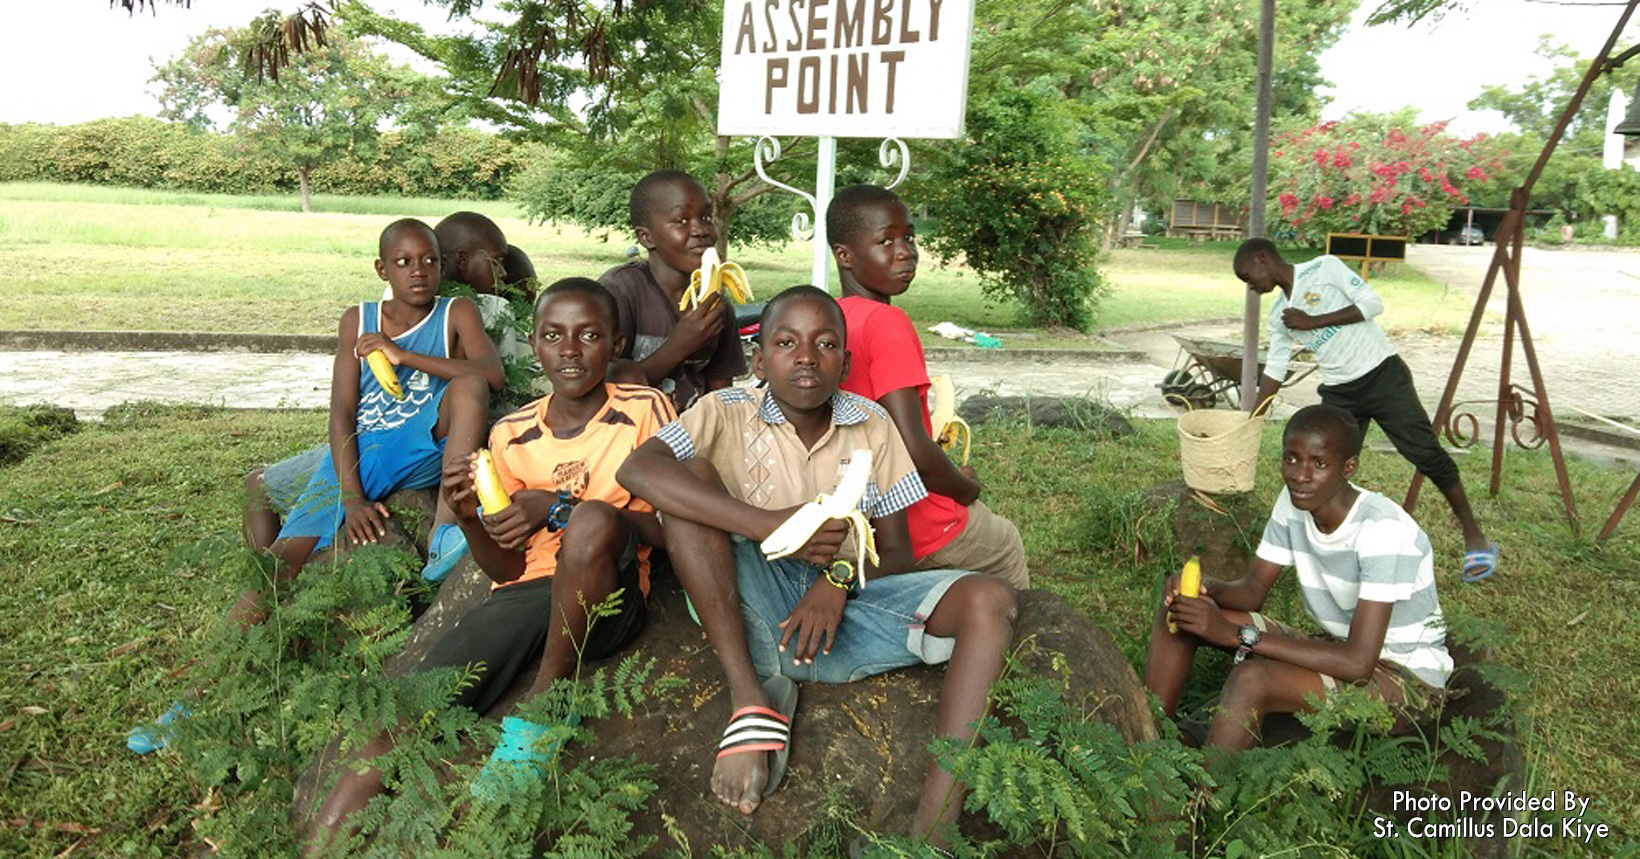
[381, 354]
[842, 503]
[948, 429]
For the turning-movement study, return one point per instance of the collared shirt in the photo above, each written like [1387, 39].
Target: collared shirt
[762, 462]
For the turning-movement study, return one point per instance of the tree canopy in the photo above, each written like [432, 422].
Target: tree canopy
[331, 100]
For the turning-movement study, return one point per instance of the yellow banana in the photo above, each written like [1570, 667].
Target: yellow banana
[487, 483]
[382, 369]
[842, 503]
[715, 276]
[943, 417]
[1190, 584]
[733, 278]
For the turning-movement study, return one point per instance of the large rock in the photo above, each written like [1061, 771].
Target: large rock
[863, 743]
[1080, 413]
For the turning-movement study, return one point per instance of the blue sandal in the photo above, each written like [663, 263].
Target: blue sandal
[445, 549]
[146, 739]
[520, 758]
[1481, 563]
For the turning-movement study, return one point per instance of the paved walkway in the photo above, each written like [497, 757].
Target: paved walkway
[1581, 306]
[91, 382]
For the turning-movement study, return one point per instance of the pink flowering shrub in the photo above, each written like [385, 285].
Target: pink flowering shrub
[1367, 178]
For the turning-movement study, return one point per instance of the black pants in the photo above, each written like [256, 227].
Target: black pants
[505, 634]
[1386, 395]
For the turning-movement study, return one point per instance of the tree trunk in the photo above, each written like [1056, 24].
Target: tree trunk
[723, 204]
[302, 179]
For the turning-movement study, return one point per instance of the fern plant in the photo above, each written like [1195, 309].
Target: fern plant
[313, 680]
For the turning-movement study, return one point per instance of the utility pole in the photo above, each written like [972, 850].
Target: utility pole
[1261, 181]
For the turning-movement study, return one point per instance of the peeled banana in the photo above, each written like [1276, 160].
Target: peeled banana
[943, 417]
[1190, 584]
[714, 276]
[487, 483]
[382, 369]
[842, 503]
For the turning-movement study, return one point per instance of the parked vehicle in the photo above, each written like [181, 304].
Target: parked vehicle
[1466, 236]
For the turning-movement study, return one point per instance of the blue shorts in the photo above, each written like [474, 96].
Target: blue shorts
[882, 627]
[284, 480]
[388, 462]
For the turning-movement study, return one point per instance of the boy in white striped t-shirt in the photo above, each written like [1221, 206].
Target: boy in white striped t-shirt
[1368, 578]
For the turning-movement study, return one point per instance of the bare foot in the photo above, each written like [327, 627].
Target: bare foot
[761, 733]
[738, 780]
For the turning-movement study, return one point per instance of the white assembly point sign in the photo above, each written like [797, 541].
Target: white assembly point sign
[845, 68]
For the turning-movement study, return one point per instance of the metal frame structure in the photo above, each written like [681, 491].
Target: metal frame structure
[1516, 404]
[891, 154]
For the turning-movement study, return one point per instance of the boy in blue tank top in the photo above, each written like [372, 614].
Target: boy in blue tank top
[446, 366]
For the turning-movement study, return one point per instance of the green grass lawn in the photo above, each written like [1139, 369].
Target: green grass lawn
[102, 532]
[87, 258]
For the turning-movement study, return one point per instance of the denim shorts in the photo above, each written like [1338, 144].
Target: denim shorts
[882, 627]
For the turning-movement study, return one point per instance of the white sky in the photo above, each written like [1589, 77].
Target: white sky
[1437, 68]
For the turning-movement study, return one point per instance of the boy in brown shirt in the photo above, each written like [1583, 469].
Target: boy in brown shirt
[683, 353]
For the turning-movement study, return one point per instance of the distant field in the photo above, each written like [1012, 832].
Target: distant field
[90, 258]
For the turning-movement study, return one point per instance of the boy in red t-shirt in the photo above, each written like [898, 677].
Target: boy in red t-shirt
[875, 247]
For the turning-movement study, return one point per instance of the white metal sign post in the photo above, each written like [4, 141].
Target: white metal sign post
[842, 68]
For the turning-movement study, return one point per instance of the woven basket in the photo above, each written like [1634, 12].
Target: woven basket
[1219, 449]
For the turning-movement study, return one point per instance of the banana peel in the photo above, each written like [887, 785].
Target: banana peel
[714, 276]
[382, 369]
[842, 503]
[948, 428]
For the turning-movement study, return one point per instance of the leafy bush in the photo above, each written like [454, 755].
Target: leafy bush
[1373, 175]
[1611, 192]
[144, 152]
[1021, 205]
[561, 188]
[25, 428]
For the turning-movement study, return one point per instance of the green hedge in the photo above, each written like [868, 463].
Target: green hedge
[144, 152]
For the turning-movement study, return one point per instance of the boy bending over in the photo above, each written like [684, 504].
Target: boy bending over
[1325, 306]
[736, 466]
[571, 537]
[1368, 578]
[875, 246]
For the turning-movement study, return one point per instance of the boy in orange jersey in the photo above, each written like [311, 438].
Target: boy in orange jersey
[571, 537]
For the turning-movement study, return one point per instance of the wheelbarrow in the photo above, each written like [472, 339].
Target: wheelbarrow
[1207, 371]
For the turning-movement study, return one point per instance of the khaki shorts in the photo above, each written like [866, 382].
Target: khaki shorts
[1391, 680]
[989, 544]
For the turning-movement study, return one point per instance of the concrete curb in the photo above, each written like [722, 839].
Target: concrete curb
[974, 353]
[162, 341]
[1213, 322]
[194, 341]
[1599, 434]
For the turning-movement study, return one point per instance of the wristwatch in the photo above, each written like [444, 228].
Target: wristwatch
[558, 513]
[1248, 636]
[841, 574]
